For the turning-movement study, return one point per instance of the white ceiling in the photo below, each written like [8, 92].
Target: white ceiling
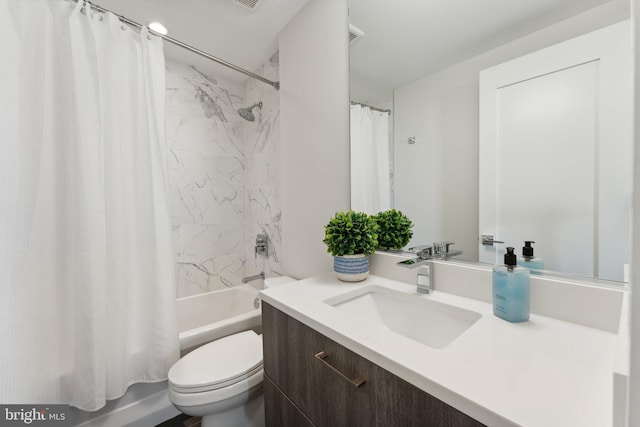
[404, 39]
[221, 28]
[408, 39]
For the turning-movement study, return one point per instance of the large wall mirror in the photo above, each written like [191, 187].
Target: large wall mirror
[425, 150]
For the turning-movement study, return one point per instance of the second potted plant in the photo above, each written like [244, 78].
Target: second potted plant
[394, 230]
[351, 237]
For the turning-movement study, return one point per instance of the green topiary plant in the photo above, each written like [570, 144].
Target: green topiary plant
[351, 233]
[394, 229]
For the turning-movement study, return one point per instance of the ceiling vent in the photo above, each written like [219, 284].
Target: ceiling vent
[249, 4]
[355, 34]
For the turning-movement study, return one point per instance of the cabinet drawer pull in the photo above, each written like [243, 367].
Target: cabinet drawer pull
[356, 382]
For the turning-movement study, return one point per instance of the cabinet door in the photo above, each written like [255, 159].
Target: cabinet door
[279, 410]
[326, 390]
[399, 403]
[321, 388]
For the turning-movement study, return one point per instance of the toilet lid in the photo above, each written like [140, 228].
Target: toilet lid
[219, 363]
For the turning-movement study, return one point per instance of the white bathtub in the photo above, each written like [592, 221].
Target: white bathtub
[201, 318]
[206, 317]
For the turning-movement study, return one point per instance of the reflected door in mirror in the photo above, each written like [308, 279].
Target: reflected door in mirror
[555, 150]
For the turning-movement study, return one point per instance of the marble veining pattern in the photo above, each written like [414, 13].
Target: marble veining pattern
[206, 169]
[223, 176]
[262, 175]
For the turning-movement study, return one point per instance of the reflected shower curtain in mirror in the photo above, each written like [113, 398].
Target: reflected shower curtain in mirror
[87, 285]
[370, 179]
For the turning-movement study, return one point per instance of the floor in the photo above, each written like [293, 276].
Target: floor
[182, 420]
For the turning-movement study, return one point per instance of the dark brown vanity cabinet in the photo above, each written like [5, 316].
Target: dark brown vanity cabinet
[310, 380]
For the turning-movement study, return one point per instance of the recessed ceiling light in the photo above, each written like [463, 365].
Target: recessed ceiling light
[158, 28]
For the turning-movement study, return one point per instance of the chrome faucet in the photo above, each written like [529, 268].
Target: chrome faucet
[252, 278]
[423, 252]
[439, 250]
[425, 255]
[425, 278]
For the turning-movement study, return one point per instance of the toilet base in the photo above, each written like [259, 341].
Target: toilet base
[251, 414]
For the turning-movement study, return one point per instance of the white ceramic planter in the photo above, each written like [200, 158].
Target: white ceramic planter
[351, 268]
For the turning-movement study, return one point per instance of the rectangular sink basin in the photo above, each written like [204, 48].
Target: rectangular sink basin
[429, 322]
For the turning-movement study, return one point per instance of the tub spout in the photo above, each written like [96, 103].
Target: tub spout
[252, 278]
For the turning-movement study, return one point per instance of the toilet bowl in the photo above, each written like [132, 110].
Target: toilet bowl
[221, 382]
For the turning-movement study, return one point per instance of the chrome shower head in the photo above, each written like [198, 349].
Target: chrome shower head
[247, 113]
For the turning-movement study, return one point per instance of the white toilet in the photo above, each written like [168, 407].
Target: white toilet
[222, 380]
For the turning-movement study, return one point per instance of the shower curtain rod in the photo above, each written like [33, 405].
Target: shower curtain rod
[275, 85]
[369, 106]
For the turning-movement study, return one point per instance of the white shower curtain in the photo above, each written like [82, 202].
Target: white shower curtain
[87, 292]
[370, 174]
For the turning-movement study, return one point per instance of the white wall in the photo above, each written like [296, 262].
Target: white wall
[314, 108]
[436, 178]
[369, 93]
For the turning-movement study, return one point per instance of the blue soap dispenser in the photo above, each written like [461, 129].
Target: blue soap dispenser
[528, 260]
[511, 290]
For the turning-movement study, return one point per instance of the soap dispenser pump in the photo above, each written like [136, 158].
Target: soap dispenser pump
[528, 260]
[511, 290]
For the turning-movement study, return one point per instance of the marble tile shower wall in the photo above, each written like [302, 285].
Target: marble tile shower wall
[215, 176]
[262, 155]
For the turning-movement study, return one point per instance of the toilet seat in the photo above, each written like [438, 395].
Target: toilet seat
[219, 398]
[219, 364]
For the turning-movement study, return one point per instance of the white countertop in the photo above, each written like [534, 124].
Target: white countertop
[544, 372]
